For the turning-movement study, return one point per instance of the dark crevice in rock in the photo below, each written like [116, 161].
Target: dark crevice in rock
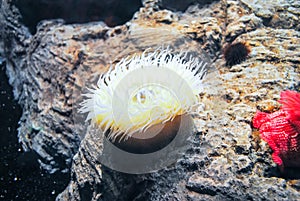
[86, 192]
[266, 21]
[202, 190]
[180, 5]
[62, 160]
[92, 36]
[112, 12]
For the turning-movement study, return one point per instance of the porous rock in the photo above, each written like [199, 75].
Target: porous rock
[227, 160]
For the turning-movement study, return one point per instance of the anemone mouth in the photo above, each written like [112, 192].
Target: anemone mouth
[144, 90]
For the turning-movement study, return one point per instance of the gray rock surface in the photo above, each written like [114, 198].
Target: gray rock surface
[227, 161]
[276, 13]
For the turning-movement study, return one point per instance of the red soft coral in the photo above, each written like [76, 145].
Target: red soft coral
[281, 130]
[290, 101]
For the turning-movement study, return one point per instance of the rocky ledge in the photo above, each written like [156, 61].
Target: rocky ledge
[227, 160]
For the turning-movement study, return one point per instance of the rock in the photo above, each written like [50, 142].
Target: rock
[240, 20]
[227, 161]
[276, 14]
[178, 5]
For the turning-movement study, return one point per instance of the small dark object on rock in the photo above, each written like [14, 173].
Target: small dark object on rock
[236, 53]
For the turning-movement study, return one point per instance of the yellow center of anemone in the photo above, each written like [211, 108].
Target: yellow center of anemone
[152, 103]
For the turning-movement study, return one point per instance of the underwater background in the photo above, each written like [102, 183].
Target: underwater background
[21, 176]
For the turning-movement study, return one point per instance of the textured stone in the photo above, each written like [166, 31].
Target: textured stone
[240, 20]
[277, 13]
[227, 160]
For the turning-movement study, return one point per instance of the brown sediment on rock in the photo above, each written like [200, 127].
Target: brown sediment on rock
[49, 69]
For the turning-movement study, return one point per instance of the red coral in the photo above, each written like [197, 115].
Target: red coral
[281, 130]
[290, 101]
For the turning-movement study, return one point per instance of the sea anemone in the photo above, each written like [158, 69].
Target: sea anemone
[144, 90]
[236, 53]
[281, 130]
